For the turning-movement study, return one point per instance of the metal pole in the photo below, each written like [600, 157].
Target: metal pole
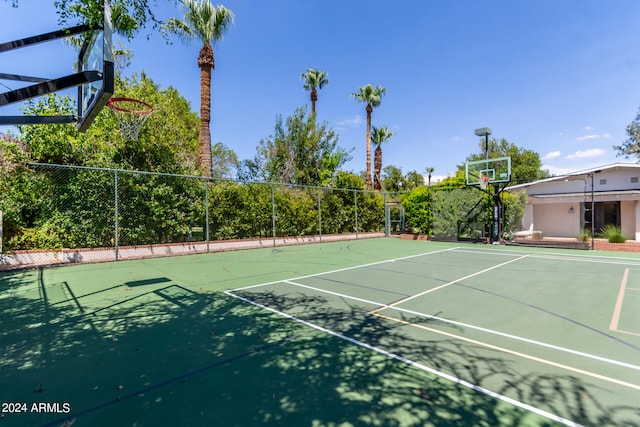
[593, 213]
[387, 220]
[486, 152]
[206, 212]
[355, 203]
[273, 214]
[116, 229]
[319, 216]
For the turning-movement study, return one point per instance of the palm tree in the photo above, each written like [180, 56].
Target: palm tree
[207, 23]
[379, 136]
[314, 80]
[370, 95]
[429, 170]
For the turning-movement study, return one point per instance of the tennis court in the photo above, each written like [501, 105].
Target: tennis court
[375, 332]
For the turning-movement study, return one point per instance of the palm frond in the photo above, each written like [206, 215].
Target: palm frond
[202, 21]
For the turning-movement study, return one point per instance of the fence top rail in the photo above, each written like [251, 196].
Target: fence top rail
[124, 171]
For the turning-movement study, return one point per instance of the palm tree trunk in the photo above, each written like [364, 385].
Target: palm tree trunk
[206, 64]
[377, 167]
[314, 98]
[368, 177]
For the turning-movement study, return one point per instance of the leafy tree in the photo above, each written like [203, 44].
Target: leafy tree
[526, 165]
[418, 205]
[392, 179]
[55, 143]
[371, 96]
[168, 142]
[414, 180]
[299, 152]
[129, 16]
[379, 136]
[207, 23]
[224, 161]
[314, 80]
[349, 180]
[631, 146]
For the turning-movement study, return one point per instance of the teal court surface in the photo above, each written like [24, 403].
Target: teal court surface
[373, 332]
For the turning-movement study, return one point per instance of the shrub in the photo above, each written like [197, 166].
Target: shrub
[584, 235]
[613, 234]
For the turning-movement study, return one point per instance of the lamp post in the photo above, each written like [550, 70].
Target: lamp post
[495, 235]
[485, 132]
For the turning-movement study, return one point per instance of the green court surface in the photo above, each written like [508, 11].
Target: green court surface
[373, 332]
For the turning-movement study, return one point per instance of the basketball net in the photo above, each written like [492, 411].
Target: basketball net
[131, 114]
[484, 182]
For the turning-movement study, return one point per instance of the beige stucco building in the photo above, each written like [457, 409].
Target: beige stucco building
[563, 206]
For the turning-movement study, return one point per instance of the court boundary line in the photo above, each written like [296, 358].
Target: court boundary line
[478, 328]
[617, 310]
[353, 267]
[412, 363]
[453, 282]
[515, 353]
[557, 256]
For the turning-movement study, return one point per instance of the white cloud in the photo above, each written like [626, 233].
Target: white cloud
[351, 123]
[583, 154]
[551, 155]
[593, 136]
[456, 139]
[589, 128]
[556, 170]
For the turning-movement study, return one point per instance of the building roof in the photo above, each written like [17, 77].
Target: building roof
[613, 166]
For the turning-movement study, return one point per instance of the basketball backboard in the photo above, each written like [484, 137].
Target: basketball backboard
[489, 171]
[94, 77]
[96, 55]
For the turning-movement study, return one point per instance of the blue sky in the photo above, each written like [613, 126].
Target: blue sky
[558, 77]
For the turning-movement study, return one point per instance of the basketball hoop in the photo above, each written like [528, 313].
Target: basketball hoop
[131, 114]
[484, 181]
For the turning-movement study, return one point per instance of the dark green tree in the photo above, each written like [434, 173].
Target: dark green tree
[631, 146]
[526, 165]
[413, 180]
[392, 179]
[299, 152]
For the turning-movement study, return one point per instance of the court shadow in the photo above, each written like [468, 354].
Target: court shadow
[174, 356]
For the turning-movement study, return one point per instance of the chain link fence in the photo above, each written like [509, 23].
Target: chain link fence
[60, 214]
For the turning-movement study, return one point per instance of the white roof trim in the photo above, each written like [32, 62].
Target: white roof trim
[583, 194]
[577, 173]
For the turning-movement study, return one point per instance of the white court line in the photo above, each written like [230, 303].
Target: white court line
[517, 353]
[414, 364]
[344, 269]
[478, 328]
[558, 256]
[477, 273]
[613, 326]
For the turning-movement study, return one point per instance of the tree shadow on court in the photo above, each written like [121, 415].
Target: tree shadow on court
[164, 354]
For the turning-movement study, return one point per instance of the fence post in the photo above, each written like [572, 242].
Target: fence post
[355, 204]
[206, 212]
[116, 229]
[319, 216]
[273, 213]
[387, 222]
